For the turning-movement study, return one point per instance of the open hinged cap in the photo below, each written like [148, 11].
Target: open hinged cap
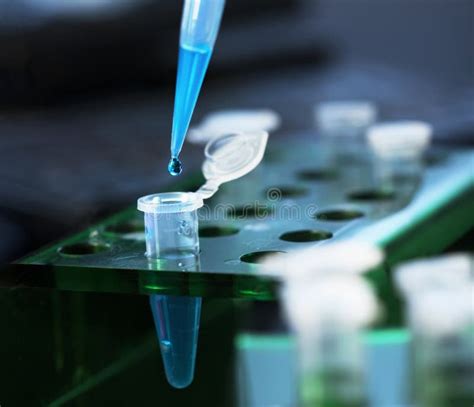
[227, 158]
[230, 157]
[402, 138]
[233, 121]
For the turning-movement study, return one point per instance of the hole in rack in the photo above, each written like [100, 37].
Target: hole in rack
[83, 249]
[285, 191]
[250, 211]
[257, 257]
[301, 236]
[317, 175]
[371, 195]
[217, 231]
[339, 215]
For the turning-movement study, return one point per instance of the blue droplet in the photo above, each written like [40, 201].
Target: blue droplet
[175, 167]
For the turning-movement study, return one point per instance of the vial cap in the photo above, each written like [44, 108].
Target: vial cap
[402, 138]
[453, 270]
[345, 301]
[233, 121]
[345, 256]
[442, 311]
[170, 202]
[338, 114]
[232, 156]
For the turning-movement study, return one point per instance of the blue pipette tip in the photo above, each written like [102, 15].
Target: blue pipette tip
[175, 167]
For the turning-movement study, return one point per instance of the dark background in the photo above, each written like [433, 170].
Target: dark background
[86, 89]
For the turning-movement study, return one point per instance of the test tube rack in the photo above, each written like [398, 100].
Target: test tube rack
[292, 200]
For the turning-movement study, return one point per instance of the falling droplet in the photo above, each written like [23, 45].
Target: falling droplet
[175, 167]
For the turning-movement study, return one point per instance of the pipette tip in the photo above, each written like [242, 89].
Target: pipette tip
[175, 167]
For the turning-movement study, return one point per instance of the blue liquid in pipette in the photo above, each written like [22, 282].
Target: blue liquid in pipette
[192, 67]
[177, 327]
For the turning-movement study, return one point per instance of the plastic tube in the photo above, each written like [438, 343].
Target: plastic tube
[171, 224]
[328, 317]
[398, 149]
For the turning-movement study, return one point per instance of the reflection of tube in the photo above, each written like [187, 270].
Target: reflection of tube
[177, 327]
[328, 316]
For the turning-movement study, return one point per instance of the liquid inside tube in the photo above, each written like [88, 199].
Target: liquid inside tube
[192, 67]
[177, 321]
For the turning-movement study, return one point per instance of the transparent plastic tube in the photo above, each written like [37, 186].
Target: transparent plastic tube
[337, 375]
[177, 321]
[328, 317]
[171, 224]
[439, 295]
[342, 126]
[171, 221]
[442, 325]
[398, 149]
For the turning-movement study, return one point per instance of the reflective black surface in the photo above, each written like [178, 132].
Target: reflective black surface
[89, 349]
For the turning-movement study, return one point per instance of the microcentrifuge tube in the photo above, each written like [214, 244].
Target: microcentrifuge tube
[441, 321]
[398, 149]
[171, 224]
[329, 331]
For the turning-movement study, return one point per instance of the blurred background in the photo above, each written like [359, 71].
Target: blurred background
[87, 88]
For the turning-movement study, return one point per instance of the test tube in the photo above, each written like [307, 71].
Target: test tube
[439, 296]
[177, 320]
[171, 225]
[328, 317]
[342, 126]
[441, 321]
[398, 149]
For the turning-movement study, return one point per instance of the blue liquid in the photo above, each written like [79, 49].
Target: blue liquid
[177, 327]
[175, 167]
[192, 67]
